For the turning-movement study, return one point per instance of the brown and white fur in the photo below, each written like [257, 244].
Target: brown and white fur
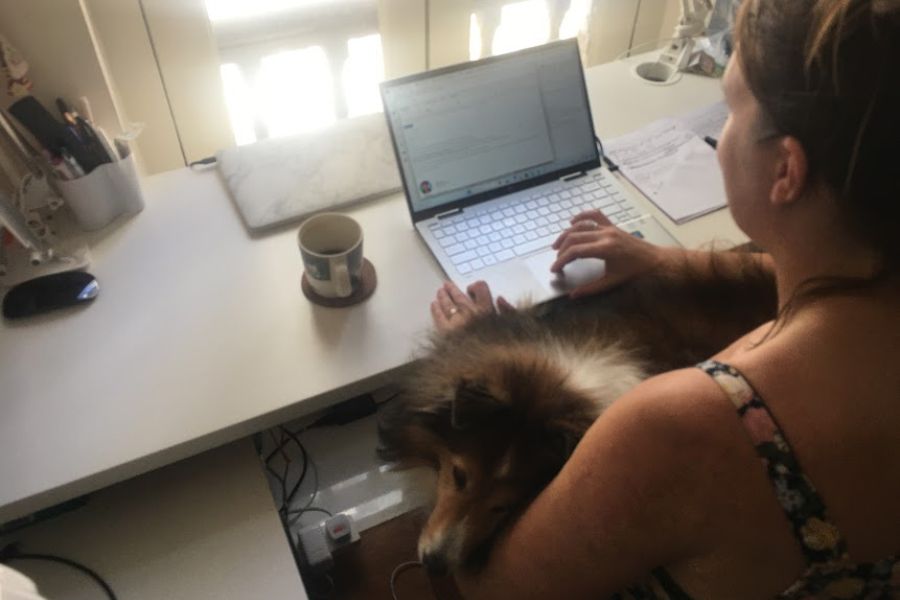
[497, 407]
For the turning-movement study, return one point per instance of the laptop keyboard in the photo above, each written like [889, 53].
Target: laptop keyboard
[483, 236]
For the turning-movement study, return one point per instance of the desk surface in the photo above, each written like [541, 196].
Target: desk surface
[201, 335]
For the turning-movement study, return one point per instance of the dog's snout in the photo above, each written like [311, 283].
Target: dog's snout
[434, 563]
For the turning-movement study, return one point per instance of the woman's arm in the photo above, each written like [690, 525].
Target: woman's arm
[632, 497]
[627, 257]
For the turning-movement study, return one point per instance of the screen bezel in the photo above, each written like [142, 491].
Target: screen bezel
[461, 203]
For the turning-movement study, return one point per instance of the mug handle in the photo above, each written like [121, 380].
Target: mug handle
[342, 284]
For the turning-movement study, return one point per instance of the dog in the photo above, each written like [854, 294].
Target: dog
[497, 407]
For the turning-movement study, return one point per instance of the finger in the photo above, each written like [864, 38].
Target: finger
[594, 215]
[480, 293]
[459, 299]
[593, 250]
[437, 315]
[504, 306]
[445, 302]
[580, 237]
[577, 228]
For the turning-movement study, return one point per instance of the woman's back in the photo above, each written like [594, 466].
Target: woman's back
[831, 379]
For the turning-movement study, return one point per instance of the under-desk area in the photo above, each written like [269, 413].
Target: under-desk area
[146, 401]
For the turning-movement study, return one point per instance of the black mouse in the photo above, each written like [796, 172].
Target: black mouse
[49, 292]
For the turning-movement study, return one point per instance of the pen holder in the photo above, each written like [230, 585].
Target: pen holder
[109, 191]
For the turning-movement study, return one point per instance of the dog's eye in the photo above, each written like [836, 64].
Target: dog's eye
[459, 478]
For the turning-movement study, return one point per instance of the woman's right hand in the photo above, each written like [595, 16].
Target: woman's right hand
[592, 235]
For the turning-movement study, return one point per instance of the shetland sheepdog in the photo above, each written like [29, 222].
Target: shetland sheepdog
[497, 407]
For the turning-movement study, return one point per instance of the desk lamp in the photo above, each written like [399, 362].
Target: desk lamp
[675, 58]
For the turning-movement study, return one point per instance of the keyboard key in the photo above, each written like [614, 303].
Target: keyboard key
[454, 249]
[536, 244]
[477, 264]
[565, 194]
[489, 260]
[495, 247]
[521, 218]
[507, 243]
[529, 225]
[497, 225]
[462, 236]
[509, 212]
[483, 251]
[520, 208]
[495, 237]
[450, 229]
[543, 231]
[542, 221]
[519, 228]
[505, 255]
[531, 205]
[519, 240]
[463, 258]
[464, 268]
[438, 233]
[531, 235]
[486, 229]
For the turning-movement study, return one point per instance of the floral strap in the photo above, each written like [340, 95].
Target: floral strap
[820, 539]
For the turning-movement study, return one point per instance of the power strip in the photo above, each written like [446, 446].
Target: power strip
[319, 542]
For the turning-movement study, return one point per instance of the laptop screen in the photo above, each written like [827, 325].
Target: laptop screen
[491, 126]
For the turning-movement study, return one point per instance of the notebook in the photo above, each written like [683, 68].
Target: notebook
[496, 156]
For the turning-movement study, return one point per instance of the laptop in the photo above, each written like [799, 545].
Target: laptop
[496, 156]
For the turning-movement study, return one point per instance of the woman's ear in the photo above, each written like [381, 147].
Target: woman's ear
[791, 172]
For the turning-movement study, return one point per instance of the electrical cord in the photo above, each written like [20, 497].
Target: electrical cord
[613, 167]
[10, 554]
[399, 569]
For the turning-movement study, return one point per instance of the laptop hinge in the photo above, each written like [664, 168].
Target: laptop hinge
[574, 176]
[449, 213]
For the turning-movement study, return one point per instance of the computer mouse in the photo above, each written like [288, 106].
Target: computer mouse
[49, 292]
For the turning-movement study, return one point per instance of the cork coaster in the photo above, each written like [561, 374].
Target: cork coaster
[365, 288]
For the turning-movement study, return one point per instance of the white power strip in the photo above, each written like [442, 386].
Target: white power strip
[320, 541]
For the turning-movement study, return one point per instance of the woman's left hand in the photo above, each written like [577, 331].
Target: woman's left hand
[452, 309]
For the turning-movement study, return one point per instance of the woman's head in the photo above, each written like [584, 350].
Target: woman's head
[827, 73]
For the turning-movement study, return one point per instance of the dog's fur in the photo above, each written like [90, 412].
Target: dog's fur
[497, 407]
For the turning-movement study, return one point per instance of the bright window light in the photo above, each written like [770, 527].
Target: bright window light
[576, 19]
[522, 25]
[239, 101]
[363, 71]
[295, 92]
[231, 10]
[474, 37]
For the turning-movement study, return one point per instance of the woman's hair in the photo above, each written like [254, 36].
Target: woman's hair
[827, 72]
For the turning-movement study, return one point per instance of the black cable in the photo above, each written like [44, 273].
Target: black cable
[293, 436]
[613, 167]
[9, 555]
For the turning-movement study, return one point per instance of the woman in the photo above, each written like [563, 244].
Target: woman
[669, 480]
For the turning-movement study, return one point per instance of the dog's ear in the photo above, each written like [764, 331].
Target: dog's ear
[472, 404]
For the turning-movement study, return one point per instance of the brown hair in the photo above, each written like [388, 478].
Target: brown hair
[827, 72]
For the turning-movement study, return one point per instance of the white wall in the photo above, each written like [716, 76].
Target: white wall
[53, 37]
[127, 54]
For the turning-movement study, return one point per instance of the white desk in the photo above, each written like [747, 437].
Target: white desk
[200, 334]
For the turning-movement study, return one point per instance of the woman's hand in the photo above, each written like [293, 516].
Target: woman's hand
[592, 235]
[452, 309]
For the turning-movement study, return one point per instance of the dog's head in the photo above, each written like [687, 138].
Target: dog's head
[497, 423]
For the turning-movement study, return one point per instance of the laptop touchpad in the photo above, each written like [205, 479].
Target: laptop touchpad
[575, 274]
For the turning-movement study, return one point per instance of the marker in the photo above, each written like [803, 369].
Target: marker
[711, 141]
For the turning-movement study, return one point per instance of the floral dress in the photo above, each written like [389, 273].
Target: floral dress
[830, 574]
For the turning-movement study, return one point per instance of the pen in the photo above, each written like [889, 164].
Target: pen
[711, 141]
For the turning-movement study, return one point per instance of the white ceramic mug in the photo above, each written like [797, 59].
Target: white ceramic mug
[331, 245]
